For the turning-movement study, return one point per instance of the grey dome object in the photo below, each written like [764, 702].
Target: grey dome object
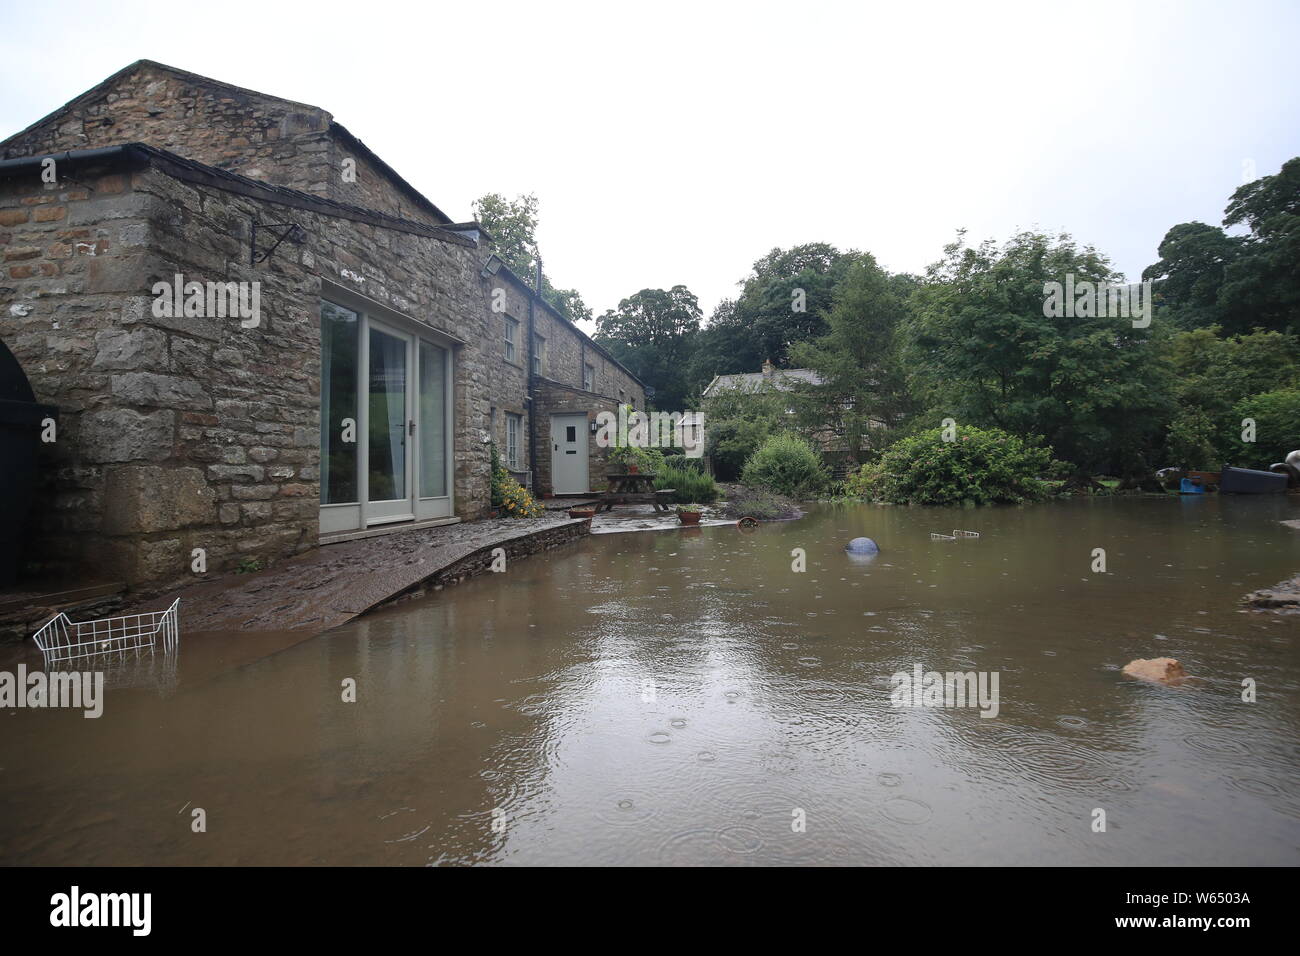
[862, 546]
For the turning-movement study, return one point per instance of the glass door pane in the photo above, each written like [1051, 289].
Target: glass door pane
[387, 408]
[432, 419]
[339, 343]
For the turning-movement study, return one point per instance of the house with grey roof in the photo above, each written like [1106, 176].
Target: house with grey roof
[782, 379]
[828, 439]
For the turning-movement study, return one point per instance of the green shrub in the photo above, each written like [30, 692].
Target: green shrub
[497, 487]
[689, 481]
[740, 420]
[1190, 441]
[1277, 429]
[980, 465]
[648, 460]
[730, 443]
[761, 503]
[787, 465]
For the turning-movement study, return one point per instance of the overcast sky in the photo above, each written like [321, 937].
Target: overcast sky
[678, 143]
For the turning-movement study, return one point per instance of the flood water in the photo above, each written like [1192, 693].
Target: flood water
[685, 697]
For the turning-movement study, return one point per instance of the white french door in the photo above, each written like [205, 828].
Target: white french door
[386, 424]
[390, 425]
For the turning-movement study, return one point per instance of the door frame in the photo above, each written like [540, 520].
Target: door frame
[389, 510]
[434, 506]
[360, 514]
[584, 451]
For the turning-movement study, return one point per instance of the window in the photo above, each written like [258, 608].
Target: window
[514, 428]
[339, 329]
[432, 398]
[589, 378]
[539, 352]
[512, 338]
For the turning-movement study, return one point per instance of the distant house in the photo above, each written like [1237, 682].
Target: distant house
[829, 438]
[782, 379]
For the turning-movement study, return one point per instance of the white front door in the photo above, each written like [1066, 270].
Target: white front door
[569, 454]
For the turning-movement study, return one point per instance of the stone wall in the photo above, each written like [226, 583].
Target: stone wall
[255, 135]
[559, 387]
[507, 380]
[551, 398]
[568, 350]
[184, 433]
[480, 562]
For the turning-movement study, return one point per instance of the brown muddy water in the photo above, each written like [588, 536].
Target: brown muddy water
[678, 697]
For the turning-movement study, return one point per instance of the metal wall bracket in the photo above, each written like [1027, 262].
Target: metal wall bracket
[292, 231]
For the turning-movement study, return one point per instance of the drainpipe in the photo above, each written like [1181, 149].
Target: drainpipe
[532, 364]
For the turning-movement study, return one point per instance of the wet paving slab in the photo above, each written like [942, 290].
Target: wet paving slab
[645, 518]
[333, 584]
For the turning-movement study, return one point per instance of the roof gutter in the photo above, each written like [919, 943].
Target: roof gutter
[72, 157]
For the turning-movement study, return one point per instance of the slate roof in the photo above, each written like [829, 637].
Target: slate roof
[782, 379]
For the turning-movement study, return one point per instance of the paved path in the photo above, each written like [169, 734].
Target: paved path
[331, 585]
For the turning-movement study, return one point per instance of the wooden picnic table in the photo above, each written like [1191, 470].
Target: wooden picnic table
[633, 489]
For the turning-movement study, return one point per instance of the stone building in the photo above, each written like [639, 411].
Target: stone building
[261, 338]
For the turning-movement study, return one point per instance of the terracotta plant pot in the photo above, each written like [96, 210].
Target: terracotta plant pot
[634, 469]
[494, 514]
[688, 517]
[582, 512]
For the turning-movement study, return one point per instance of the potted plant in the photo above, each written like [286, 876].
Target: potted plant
[619, 461]
[586, 511]
[631, 460]
[688, 514]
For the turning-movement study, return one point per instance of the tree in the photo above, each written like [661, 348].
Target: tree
[1214, 375]
[862, 388]
[1264, 282]
[782, 301]
[651, 333]
[1096, 388]
[738, 420]
[1276, 415]
[1193, 260]
[1207, 277]
[512, 226]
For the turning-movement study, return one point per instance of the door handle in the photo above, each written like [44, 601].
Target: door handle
[410, 428]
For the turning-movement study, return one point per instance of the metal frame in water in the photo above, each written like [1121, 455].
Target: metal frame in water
[62, 639]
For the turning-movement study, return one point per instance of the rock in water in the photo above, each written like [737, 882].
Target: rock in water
[1162, 670]
[862, 546]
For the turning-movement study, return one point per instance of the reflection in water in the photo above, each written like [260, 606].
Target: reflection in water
[668, 698]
